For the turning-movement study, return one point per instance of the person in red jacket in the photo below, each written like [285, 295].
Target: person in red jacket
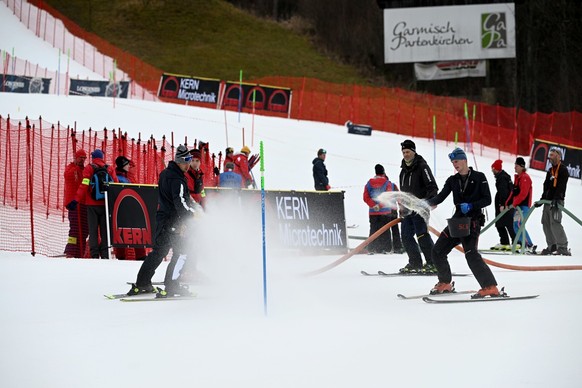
[195, 178]
[521, 197]
[241, 166]
[380, 215]
[228, 157]
[95, 207]
[77, 218]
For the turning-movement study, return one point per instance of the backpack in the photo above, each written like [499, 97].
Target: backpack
[99, 180]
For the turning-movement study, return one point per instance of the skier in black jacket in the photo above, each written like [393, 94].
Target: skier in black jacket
[470, 194]
[175, 208]
[416, 178]
[320, 172]
[504, 225]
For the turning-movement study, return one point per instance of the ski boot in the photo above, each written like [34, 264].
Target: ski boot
[442, 288]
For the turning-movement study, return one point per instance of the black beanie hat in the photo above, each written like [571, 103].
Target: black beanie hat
[121, 162]
[408, 145]
[520, 161]
[379, 169]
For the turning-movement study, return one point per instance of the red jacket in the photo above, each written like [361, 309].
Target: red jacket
[522, 191]
[241, 166]
[227, 159]
[376, 186]
[195, 182]
[73, 176]
[84, 192]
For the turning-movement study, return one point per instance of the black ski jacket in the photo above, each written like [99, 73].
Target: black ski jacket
[174, 201]
[418, 179]
[475, 191]
[504, 187]
[320, 174]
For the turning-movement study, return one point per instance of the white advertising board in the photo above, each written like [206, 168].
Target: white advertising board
[430, 34]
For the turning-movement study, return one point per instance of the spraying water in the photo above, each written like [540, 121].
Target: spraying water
[406, 202]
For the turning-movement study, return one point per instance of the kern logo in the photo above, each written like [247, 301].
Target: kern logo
[493, 30]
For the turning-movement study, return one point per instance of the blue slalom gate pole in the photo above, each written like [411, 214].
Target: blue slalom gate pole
[265, 309]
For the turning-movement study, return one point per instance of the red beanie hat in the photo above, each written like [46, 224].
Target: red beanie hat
[80, 154]
[497, 165]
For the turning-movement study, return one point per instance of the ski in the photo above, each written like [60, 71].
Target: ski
[120, 296]
[486, 299]
[392, 274]
[438, 295]
[369, 274]
[156, 299]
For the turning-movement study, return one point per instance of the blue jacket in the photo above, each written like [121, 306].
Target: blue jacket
[230, 179]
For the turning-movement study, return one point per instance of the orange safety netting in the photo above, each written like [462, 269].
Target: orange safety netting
[33, 157]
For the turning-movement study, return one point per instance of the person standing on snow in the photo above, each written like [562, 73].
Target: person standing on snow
[229, 178]
[555, 191]
[471, 194]
[504, 225]
[241, 167]
[416, 178]
[78, 230]
[195, 178]
[521, 197]
[175, 208]
[379, 214]
[228, 157]
[96, 220]
[320, 172]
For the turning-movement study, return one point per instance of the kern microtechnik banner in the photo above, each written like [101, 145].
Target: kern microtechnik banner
[572, 157]
[202, 90]
[430, 34]
[260, 97]
[307, 221]
[132, 214]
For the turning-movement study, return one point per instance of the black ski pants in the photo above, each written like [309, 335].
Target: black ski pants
[446, 243]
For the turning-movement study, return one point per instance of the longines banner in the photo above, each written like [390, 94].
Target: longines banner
[449, 69]
[308, 221]
[429, 34]
[187, 88]
[22, 84]
[80, 87]
[572, 157]
[132, 214]
[262, 97]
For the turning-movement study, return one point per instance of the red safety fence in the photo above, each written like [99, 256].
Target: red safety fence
[33, 157]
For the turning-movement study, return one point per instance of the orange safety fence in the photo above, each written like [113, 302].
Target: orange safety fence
[33, 157]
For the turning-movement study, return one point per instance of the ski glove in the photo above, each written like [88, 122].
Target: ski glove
[466, 207]
[538, 203]
[72, 206]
